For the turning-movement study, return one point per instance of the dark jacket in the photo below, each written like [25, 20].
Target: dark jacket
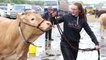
[72, 28]
[46, 16]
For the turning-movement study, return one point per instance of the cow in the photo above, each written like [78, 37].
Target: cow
[102, 20]
[99, 12]
[16, 35]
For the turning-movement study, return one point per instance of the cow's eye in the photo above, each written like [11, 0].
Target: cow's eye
[32, 19]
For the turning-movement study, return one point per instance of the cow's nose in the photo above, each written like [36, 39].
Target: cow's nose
[49, 24]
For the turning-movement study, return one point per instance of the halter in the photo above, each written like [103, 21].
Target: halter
[22, 35]
[38, 26]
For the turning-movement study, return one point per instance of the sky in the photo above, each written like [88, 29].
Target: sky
[89, 1]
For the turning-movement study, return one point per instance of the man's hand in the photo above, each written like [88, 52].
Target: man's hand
[54, 14]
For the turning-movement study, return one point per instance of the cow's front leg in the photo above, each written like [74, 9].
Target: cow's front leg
[24, 55]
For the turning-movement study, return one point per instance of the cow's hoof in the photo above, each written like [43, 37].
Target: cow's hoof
[102, 38]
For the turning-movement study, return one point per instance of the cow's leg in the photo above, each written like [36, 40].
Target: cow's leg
[24, 55]
[102, 31]
[1, 58]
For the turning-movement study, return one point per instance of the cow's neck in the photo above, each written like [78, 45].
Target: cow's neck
[28, 31]
[30, 34]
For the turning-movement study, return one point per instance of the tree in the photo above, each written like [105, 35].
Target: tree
[22, 2]
[14, 1]
[19, 1]
[36, 2]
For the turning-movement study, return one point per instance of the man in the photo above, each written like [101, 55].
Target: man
[50, 16]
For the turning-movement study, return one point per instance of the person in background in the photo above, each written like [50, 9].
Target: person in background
[50, 17]
[73, 22]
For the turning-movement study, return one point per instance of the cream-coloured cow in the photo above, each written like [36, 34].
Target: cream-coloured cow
[15, 35]
[102, 20]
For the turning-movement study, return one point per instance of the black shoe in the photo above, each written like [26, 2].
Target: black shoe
[50, 54]
[51, 39]
[45, 39]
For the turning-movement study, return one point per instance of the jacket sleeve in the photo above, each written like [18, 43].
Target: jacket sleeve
[45, 16]
[90, 32]
[59, 19]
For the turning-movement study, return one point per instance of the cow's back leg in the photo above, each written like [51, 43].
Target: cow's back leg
[1, 58]
[12, 57]
[102, 31]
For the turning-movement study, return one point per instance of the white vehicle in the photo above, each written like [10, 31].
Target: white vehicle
[6, 7]
[38, 9]
[2, 12]
[18, 8]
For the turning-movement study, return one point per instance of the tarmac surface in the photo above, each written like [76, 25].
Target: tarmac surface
[85, 42]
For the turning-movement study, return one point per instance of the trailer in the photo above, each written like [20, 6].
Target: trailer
[60, 6]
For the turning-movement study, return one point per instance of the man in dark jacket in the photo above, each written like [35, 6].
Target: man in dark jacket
[50, 16]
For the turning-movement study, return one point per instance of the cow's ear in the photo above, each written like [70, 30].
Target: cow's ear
[19, 17]
[26, 13]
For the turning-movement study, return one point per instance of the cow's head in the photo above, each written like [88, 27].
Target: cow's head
[34, 20]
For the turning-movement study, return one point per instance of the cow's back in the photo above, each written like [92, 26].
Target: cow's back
[102, 19]
[4, 23]
[7, 44]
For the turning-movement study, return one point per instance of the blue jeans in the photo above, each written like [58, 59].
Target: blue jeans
[48, 34]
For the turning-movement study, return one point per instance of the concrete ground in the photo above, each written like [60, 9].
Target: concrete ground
[85, 42]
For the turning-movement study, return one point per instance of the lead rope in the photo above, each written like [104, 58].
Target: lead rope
[23, 37]
[62, 35]
[78, 20]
